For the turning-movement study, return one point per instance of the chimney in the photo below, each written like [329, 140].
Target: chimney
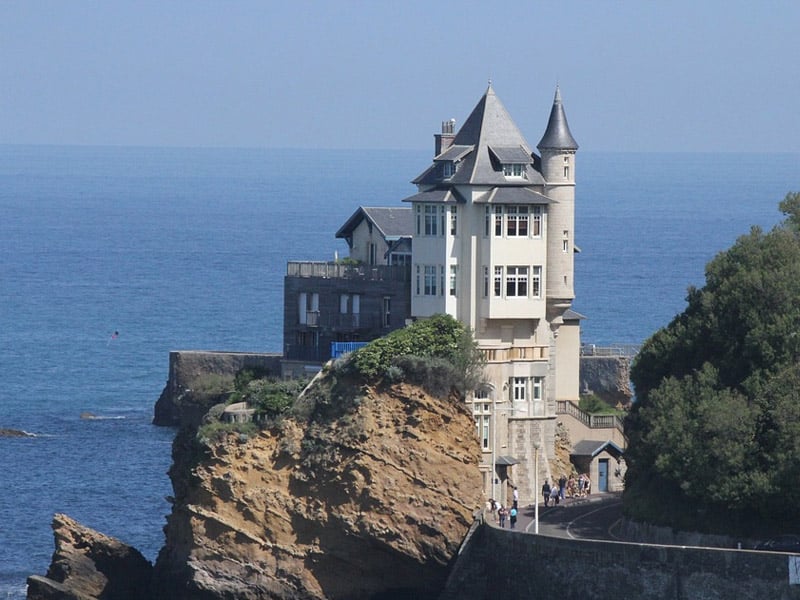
[445, 139]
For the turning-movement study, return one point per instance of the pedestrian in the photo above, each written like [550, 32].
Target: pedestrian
[546, 492]
[562, 485]
[494, 509]
[513, 517]
[571, 486]
[516, 498]
[580, 485]
[554, 496]
[501, 512]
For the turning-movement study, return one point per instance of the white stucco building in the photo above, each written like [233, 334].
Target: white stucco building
[493, 245]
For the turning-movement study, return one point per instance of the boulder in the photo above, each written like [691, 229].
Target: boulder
[88, 565]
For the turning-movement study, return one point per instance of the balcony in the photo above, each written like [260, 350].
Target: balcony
[330, 270]
[516, 354]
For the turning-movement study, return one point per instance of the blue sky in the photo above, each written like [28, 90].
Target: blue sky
[635, 76]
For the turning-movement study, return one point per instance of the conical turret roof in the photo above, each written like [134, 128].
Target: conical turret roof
[557, 136]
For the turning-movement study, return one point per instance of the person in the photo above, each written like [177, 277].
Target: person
[501, 513]
[516, 498]
[513, 517]
[587, 484]
[571, 486]
[554, 496]
[546, 492]
[580, 485]
[494, 509]
[562, 485]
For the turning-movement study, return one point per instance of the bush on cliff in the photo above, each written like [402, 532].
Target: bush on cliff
[714, 437]
[436, 352]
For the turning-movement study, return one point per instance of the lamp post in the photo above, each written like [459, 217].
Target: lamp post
[536, 487]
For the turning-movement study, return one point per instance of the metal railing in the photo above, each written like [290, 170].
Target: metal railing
[331, 270]
[625, 350]
[567, 407]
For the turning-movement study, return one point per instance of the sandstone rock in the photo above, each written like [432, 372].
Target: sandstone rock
[362, 496]
[88, 565]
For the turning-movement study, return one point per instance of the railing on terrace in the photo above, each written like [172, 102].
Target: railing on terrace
[341, 322]
[340, 348]
[515, 353]
[567, 407]
[628, 350]
[330, 270]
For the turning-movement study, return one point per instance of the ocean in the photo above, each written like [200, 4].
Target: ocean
[180, 249]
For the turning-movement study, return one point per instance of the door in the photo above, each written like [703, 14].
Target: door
[602, 475]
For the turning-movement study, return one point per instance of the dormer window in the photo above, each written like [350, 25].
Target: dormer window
[514, 170]
[448, 169]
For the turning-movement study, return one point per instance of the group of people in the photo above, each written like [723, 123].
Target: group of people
[502, 514]
[566, 488]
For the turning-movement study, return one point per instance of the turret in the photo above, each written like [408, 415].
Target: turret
[558, 149]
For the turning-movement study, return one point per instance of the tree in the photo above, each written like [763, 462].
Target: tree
[715, 427]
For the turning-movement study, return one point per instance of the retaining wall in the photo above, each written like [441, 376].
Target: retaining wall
[498, 563]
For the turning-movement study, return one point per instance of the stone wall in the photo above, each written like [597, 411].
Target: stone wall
[608, 377]
[180, 404]
[497, 563]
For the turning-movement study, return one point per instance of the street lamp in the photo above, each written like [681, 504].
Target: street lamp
[536, 487]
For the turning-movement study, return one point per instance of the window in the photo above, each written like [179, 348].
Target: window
[418, 218]
[566, 172]
[536, 229]
[344, 300]
[448, 169]
[416, 267]
[516, 282]
[482, 413]
[453, 279]
[514, 170]
[518, 388]
[536, 282]
[373, 253]
[487, 220]
[485, 282]
[430, 220]
[498, 221]
[537, 387]
[430, 280]
[565, 241]
[453, 220]
[441, 279]
[498, 281]
[517, 221]
[387, 311]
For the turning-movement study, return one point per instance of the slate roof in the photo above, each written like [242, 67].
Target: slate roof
[571, 315]
[557, 136]
[513, 195]
[393, 223]
[489, 125]
[437, 196]
[593, 448]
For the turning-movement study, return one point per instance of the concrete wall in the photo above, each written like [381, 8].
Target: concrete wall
[499, 563]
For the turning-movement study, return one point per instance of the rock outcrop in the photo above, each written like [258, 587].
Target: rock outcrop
[608, 377]
[88, 565]
[361, 495]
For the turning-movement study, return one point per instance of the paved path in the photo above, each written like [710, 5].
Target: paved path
[595, 517]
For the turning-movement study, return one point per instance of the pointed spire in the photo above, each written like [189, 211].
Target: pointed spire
[557, 136]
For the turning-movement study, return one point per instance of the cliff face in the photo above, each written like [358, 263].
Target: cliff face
[608, 377]
[364, 495]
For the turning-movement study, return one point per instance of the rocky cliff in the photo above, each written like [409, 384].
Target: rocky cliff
[362, 495]
[358, 493]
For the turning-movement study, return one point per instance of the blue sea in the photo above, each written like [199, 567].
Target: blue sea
[186, 249]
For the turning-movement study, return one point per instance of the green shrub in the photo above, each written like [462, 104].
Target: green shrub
[212, 384]
[216, 431]
[438, 337]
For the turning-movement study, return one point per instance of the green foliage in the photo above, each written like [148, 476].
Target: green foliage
[593, 405]
[717, 417]
[272, 397]
[212, 384]
[217, 431]
[438, 337]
